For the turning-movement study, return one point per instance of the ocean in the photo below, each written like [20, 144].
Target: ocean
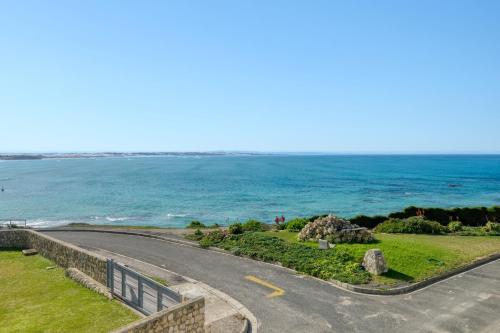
[171, 191]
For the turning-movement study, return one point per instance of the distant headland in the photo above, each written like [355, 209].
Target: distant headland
[24, 156]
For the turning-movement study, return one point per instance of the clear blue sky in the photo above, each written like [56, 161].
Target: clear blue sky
[329, 76]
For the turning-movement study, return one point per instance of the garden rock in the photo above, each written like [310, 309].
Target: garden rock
[30, 252]
[374, 262]
[323, 244]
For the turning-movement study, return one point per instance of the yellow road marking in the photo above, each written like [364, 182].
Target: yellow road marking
[277, 291]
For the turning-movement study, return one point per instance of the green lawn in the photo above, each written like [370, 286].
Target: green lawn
[36, 299]
[416, 257]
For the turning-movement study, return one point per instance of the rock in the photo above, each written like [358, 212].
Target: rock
[323, 244]
[30, 252]
[374, 262]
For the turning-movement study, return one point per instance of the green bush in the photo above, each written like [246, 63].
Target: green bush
[455, 226]
[411, 225]
[492, 227]
[469, 216]
[335, 264]
[369, 222]
[205, 243]
[235, 228]
[195, 225]
[197, 235]
[253, 225]
[296, 224]
[281, 226]
[216, 236]
[476, 231]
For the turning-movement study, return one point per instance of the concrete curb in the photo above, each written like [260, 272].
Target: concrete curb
[250, 319]
[345, 286]
[244, 329]
[418, 285]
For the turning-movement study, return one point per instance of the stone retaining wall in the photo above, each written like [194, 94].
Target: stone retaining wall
[16, 239]
[185, 317]
[63, 254]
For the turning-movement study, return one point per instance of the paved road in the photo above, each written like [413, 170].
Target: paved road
[469, 302]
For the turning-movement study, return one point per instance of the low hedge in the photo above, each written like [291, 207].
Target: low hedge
[195, 225]
[296, 224]
[476, 231]
[253, 225]
[326, 264]
[250, 225]
[468, 216]
[411, 225]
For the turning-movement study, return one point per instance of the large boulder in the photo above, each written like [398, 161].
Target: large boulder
[374, 262]
[335, 230]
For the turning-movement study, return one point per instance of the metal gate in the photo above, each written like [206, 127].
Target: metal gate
[139, 291]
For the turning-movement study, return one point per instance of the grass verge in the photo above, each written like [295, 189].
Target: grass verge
[36, 299]
[412, 258]
[335, 264]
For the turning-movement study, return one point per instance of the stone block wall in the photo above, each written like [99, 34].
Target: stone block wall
[63, 254]
[185, 317]
[16, 239]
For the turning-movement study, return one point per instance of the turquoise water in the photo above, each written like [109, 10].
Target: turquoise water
[171, 191]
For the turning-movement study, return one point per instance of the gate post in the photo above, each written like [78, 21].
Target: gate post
[140, 292]
[110, 271]
[159, 296]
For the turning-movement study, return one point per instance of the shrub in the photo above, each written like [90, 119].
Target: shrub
[469, 216]
[492, 227]
[411, 225]
[253, 225]
[477, 231]
[281, 226]
[455, 226]
[197, 235]
[369, 222]
[195, 225]
[235, 228]
[205, 243]
[216, 236]
[215, 225]
[296, 224]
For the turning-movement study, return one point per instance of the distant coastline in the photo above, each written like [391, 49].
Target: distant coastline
[74, 155]
[117, 154]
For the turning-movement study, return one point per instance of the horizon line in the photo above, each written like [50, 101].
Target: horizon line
[255, 152]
